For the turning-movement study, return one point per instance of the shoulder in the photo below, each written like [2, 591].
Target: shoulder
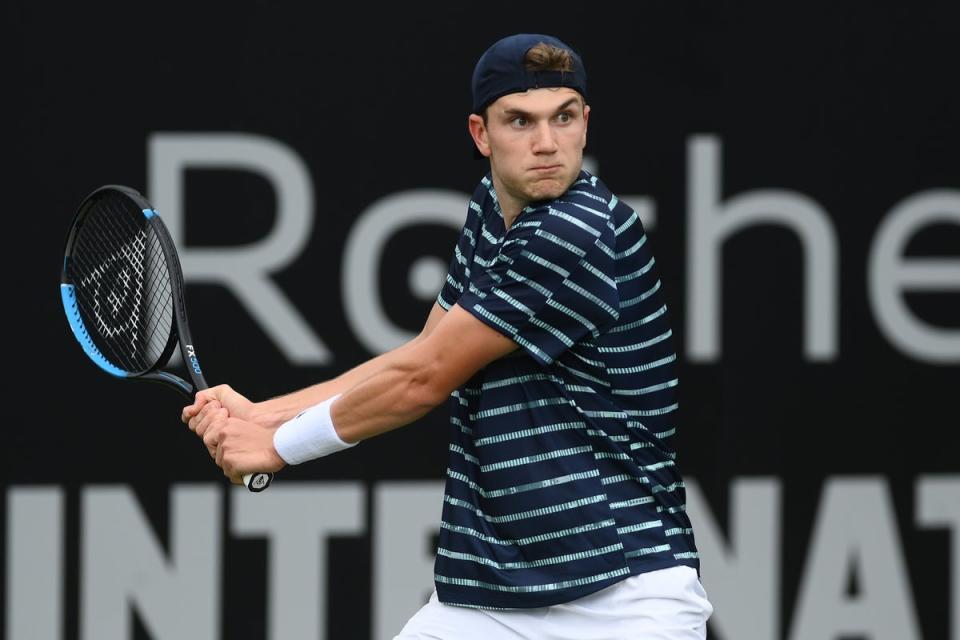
[584, 214]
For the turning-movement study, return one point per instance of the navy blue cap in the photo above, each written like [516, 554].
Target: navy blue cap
[501, 70]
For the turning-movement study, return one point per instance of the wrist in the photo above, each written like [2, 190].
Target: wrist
[308, 435]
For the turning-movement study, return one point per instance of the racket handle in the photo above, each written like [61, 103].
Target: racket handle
[257, 482]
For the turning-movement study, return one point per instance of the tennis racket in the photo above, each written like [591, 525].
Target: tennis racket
[122, 291]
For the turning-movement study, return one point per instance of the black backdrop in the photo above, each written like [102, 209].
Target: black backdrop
[851, 108]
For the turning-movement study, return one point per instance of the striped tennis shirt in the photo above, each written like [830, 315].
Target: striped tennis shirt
[562, 476]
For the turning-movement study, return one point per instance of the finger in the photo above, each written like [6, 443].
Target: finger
[234, 479]
[212, 431]
[207, 415]
[190, 412]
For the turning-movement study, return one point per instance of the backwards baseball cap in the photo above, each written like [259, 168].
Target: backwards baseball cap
[501, 70]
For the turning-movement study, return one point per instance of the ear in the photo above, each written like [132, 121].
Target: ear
[586, 121]
[478, 131]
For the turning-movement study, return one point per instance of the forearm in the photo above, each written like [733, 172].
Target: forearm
[278, 410]
[400, 391]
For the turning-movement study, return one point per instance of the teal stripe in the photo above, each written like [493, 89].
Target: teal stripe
[475, 291]
[605, 414]
[679, 531]
[513, 302]
[600, 274]
[453, 283]
[574, 221]
[600, 214]
[637, 273]
[592, 298]
[612, 455]
[686, 555]
[550, 455]
[494, 319]
[678, 509]
[544, 263]
[600, 433]
[514, 435]
[526, 344]
[506, 382]
[632, 250]
[560, 242]
[556, 333]
[533, 284]
[521, 542]
[667, 433]
[629, 223]
[607, 250]
[643, 367]
[650, 318]
[520, 406]
[458, 449]
[521, 488]
[647, 551]
[613, 203]
[485, 263]
[489, 236]
[530, 564]
[585, 376]
[654, 412]
[629, 302]
[645, 390]
[531, 588]
[640, 526]
[586, 194]
[633, 502]
[638, 345]
[520, 241]
[589, 361]
[524, 515]
[658, 465]
[623, 477]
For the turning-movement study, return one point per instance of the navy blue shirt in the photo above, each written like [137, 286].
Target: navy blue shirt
[562, 477]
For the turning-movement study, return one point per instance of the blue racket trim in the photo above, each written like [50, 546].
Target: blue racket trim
[69, 296]
[149, 213]
[175, 380]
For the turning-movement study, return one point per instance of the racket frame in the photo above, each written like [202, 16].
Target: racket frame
[180, 331]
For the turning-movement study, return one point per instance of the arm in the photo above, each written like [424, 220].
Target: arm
[393, 391]
[273, 412]
[419, 378]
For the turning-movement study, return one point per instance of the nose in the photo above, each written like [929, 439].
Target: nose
[544, 140]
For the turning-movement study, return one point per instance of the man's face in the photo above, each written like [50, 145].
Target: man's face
[535, 142]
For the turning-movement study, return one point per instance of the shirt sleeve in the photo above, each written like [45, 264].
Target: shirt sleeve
[453, 285]
[552, 283]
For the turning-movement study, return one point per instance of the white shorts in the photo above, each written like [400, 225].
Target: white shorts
[668, 604]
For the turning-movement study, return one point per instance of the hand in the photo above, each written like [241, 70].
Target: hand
[242, 447]
[236, 404]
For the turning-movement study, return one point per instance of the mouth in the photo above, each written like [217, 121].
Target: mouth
[546, 168]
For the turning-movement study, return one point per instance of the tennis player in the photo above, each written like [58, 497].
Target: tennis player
[564, 512]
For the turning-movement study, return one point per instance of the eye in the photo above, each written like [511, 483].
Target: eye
[518, 122]
[564, 117]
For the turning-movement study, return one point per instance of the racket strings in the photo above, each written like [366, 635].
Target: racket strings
[123, 286]
[115, 292]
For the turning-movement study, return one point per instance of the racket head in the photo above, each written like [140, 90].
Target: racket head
[121, 286]
[122, 290]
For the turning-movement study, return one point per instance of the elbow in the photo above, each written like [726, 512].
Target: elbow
[427, 389]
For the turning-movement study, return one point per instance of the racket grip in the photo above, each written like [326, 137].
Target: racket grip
[257, 482]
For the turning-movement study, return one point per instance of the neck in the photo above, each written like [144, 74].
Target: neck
[510, 207]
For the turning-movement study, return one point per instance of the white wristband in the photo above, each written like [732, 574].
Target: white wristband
[308, 435]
